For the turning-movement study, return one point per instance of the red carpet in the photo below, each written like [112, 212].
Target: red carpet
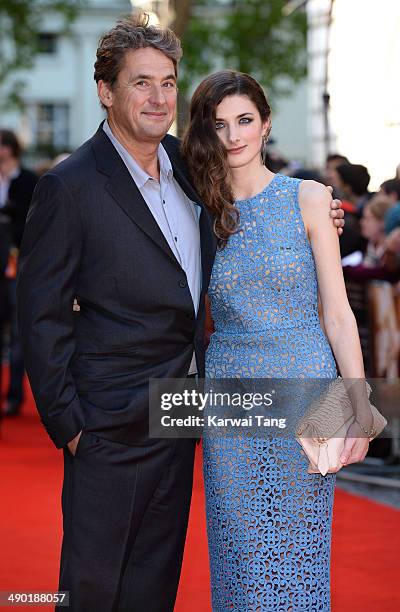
[366, 541]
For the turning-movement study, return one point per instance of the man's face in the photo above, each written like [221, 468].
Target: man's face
[142, 103]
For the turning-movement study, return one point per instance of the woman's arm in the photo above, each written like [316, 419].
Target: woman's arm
[340, 323]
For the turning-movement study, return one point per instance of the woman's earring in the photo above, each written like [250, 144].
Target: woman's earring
[264, 149]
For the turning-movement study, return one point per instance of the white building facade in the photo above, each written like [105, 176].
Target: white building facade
[62, 108]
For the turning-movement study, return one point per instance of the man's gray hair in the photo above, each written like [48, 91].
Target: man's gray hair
[130, 34]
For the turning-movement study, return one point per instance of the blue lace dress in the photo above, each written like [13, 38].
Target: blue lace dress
[268, 520]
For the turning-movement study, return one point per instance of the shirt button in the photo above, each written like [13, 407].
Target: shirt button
[182, 284]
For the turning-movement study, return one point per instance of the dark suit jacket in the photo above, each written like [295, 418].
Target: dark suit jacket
[90, 235]
[19, 199]
[4, 251]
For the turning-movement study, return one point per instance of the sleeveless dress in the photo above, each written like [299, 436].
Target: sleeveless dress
[268, 520]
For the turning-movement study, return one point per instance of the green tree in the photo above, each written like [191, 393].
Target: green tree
[20, 25]
[182, 10]
[253, 36]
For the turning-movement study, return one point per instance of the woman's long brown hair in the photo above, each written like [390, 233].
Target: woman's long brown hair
[204, 152]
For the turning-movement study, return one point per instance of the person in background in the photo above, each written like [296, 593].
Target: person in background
[4, 250]
[16, 189]
[353, 181]
[16, 184]
[391, 189]
[375, 264]
[332, 162]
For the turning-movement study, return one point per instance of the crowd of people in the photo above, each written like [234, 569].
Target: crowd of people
[372, 218]
[370, 250]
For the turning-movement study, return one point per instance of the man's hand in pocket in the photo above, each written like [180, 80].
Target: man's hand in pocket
[74, 443]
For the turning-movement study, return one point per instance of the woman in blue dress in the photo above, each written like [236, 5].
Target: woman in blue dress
[268, 519]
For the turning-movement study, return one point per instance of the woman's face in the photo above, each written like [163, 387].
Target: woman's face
[371, 228]
[240, 128]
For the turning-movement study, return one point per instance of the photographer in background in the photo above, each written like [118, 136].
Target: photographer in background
[16, 189]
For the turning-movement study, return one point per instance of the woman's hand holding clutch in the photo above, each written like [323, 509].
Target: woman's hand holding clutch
[355, 447]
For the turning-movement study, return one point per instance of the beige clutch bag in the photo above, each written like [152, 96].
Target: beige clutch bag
[323, 430]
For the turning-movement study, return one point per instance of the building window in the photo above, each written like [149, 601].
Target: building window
[47, 43]
[50, 126]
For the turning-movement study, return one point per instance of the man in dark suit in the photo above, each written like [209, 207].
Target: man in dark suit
[118, 227]
[16, 188]
[4, 301]
[17, 184]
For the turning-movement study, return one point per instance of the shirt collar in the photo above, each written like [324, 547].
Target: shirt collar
[165, 163]
[139, 175]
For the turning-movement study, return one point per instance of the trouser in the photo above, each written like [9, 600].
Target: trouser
[125, 512]
[15, 394]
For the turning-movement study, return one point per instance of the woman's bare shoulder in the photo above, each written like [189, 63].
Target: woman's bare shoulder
[314, 198]
[314, 192]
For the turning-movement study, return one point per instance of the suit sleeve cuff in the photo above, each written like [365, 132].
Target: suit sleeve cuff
[65, 426]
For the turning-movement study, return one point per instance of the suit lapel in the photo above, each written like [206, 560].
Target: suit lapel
[207, 236]
[125, 192]
[123, 189]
